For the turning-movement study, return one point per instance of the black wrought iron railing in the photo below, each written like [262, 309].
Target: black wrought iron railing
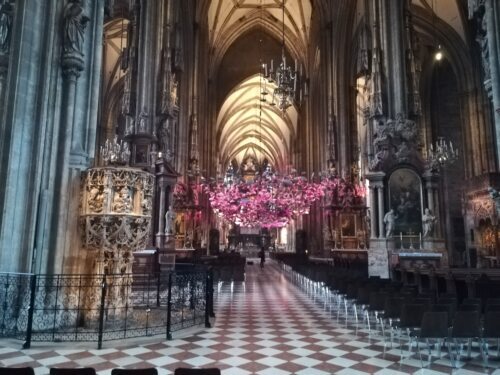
[103, 307]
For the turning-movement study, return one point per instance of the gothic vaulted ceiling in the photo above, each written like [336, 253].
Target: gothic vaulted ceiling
[228, 19]
[248, 127]
[244, 126]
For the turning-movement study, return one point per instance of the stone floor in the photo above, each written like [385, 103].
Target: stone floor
[274, 323]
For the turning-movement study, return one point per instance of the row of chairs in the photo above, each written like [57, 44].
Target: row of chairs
[91, 371]
[421, 317]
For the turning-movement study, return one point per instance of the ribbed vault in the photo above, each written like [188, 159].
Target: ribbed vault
[229, 19]
[248, 127]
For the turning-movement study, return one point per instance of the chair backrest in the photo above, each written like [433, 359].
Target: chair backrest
[447, 308]
[472, 301]
[493, 301]
[197, 371]
[492, 308]
[392, 307]
[72, 371]
[469, 307]
[491, 325]
[430, 295]
[16, 371]
[363, 295]
[466, 324]
[448, 300]
[411, 315]
[423, 301]
[377, 300]
[140, 371]
[434, 324]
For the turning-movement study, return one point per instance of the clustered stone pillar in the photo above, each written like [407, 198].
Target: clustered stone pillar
[377, 201]
[380, 206]
[378, 256]
[166, 178]
[6, 13]
[373, 213]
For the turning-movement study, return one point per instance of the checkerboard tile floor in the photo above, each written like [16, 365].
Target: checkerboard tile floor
[274, 323]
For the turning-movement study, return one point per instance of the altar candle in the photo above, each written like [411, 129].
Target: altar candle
[420, 237]
[401, 236]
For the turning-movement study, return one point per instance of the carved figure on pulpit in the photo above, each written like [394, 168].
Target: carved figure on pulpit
[95, 199]
[121, 200]
[170, 216]
[428, 221]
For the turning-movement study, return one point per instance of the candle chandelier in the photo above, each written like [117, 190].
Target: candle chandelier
[284, 77]
[441, 153]
[115, 152]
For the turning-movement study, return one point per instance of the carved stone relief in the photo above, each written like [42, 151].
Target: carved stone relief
[395, 141]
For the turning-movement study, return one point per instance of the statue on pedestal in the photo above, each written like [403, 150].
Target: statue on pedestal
[428, 223]
[75, 21]
[389, 221]
[170, 216]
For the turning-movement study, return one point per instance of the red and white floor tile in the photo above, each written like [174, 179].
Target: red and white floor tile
[266, 325]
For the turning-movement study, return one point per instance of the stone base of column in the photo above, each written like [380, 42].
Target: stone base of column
[378, 257]
[166, 254]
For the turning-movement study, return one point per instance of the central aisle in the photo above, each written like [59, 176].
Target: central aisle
[265, 325]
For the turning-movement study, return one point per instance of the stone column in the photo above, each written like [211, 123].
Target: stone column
[141, 130]
[6, 11]
[373, 213]
[492, 14]
[380, 206]
[166, 177]
[431, 180]
[487, 16]
[378, 254]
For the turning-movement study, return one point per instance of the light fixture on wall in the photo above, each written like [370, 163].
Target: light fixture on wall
[284, 76]
[439, 54]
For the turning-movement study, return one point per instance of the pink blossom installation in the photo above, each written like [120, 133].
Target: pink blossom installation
[269, 200]
[342, 193]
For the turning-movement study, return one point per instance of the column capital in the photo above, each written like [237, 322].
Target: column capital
[375, 176]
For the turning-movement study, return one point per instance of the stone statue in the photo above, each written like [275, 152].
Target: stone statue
[495, 195]
[173, 91]
[75, 22]
[5, 27]
[170, 216]
[389, 221]
[428, 223]
[368, 222]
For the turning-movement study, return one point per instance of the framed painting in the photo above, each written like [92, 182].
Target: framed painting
[348, 225]
[405, 198]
